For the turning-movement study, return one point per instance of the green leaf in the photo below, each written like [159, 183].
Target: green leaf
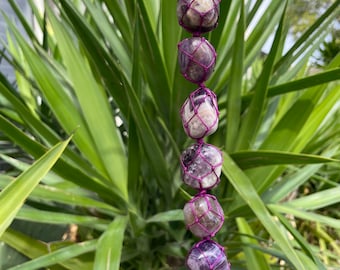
[235, 85]
[95, 106]
[300, 84]
[151, 57]
[24, 244]
[110, 244]
[255, 260]
[299, 129]
[244, 187]
[251, 159]
[49, 193]
[316, 200]
[38, 127]
[33, 249]
[62, 168]
[59, 256]
[308, 38]
[59, 98]
[14, 195]
[170, 36]
[172, 215]
[290, 183]
[121, 50]
[303, 243]
[255, 112]
[31, 214]
[332, 222]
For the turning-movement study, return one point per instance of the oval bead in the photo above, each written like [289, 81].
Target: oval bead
[200, 113]
[203, 215]
[201, 166]
[198, 16]
[196, 58]
[207, 255]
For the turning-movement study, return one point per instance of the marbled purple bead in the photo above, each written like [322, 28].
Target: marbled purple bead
[207, 255]
[200, 113]
[196, 58]
[203, 215]
[201, 166]
[198, 16]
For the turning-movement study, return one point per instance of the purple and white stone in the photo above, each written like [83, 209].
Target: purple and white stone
[200, 113]
[203, 215]
[207, 255]
[196, 58]
[201, 166]
[198, 16]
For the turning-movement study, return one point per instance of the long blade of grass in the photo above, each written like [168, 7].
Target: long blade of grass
[95, 107]
[26, 25]
[14, 195]
[172, 215]
[317, 117]
[255, 259]
[305, 215]
[250, 159]
[170, 36]
[290, 183]
[235, 86]
[223, 38]
[49, 193]
[26, 245]
[300, 84]
[303, 243]
[59, 99]
[39, 128]
[33, 248]
[298, 129]
[62, 168]
[49, 217]
[58, 256]
[316, 200]
[246, 190]
[110, 70]
[119, 47]
[151, 56]
[121, 19]
[255, 112]
[119, 88]
[307, 36]
[110, 245]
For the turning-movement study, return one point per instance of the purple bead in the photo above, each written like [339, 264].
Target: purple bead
[207, 255]
[203, 215]
[201, 166]
[200, 113]
[196, 58]
[198, 16]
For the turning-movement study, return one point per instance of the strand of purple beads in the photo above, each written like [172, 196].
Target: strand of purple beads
[201, 163]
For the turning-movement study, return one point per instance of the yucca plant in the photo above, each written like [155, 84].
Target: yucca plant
[93, 137]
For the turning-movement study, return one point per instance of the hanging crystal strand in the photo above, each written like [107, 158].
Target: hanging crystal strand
[201, 163]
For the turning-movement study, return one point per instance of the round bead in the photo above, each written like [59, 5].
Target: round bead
[198, 16]
[207, 255]
[196, 58]
[200, 113]
[203, 215]
[201, 166]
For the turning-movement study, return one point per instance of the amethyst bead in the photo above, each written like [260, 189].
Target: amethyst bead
[198, 16]
[207, 255]
[200, 113]
[203, 215]
[196, 58]
[201, 166]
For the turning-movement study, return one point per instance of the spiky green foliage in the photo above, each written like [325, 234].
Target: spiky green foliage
[106, 71]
